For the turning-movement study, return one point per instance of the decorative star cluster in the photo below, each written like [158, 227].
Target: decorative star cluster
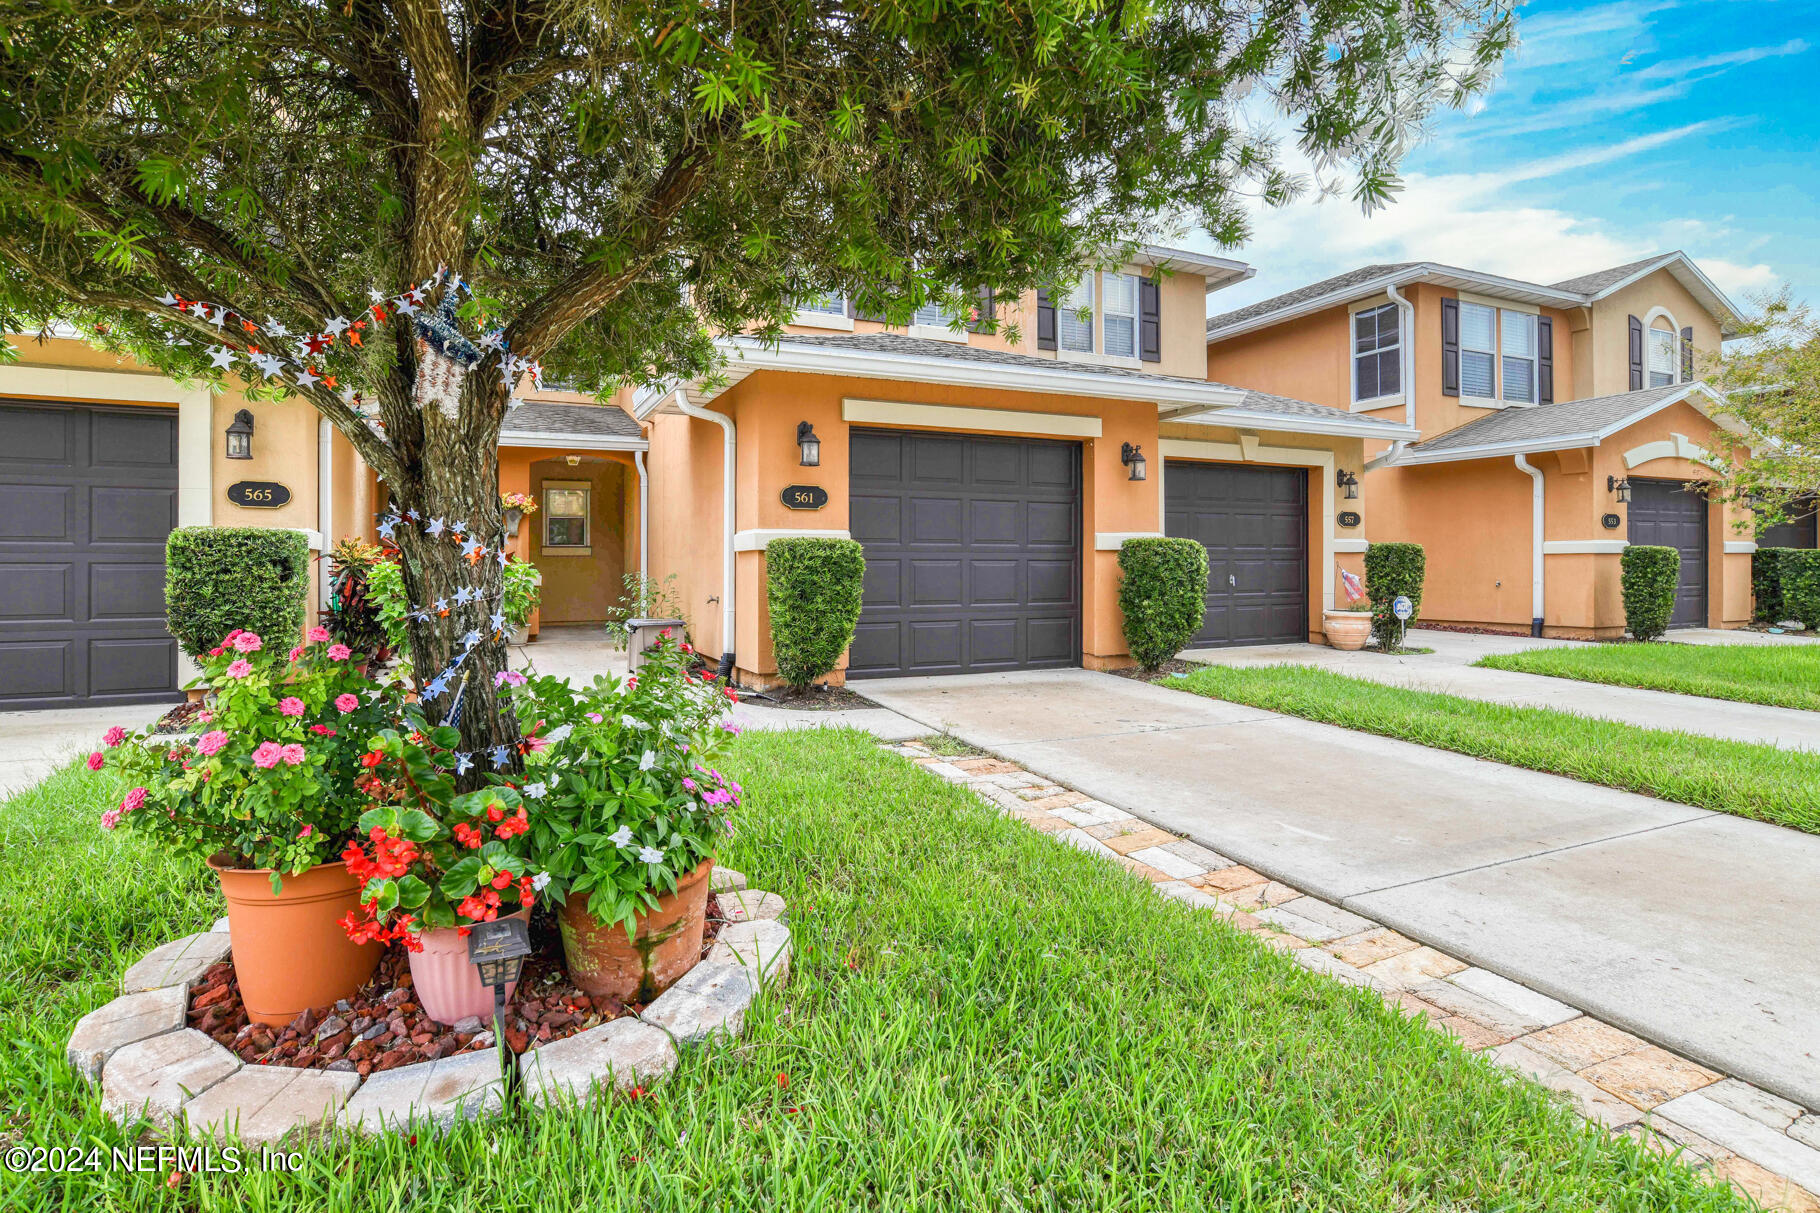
[493, 606]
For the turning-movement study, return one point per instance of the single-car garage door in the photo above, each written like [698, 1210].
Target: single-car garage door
[973, 556]
[1664, 514]
[1253, 521]
[87, 496]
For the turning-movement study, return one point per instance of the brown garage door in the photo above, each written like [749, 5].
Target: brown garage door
[87, 496]
[1665, 514]
[1253, 521]
[973, 555]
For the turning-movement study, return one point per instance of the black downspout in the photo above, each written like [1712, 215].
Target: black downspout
[726, 663]
[1535, 628]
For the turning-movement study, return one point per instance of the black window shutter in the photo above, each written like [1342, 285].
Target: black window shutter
[1450, 347]
[1545, 360]
[1150, 320]
[1636, 354]
[1687, 355]
[1045, 321]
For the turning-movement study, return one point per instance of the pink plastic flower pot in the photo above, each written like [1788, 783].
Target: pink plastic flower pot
[449, 986]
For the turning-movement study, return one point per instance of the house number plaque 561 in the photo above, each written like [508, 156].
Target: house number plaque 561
[805, 496]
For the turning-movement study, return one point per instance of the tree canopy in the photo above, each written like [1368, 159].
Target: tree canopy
[1770, 378]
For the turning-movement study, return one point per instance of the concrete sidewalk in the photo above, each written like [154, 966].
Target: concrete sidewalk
[1689, 928]
[33, 744]
[1449, 669]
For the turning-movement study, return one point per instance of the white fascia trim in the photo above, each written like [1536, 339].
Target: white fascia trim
[1374, 286]
[1583, 547]
[822, 320]
[579, 442]
[755, 541]
[957, 417]
[1112, 541]
[1674, 262]
[1350, 545]
[754, 356]
[1740, 547]
[1288, 423]
[1217, 271]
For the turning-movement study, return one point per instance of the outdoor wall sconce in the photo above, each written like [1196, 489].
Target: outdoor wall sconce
[1620, 487]
[1132, 456]
[240, 436]
[809, 444]
[1349, 482]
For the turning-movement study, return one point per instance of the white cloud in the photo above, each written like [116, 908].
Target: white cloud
[1736, 280]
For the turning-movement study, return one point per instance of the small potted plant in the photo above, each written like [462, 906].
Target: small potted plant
[266, 795]
[517, 507]
[434, 863]
[631, 810]
[1348, 627]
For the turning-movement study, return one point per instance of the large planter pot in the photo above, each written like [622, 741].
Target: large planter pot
[447, 984]
[290, 951]
[1347, 629]
[665, 944]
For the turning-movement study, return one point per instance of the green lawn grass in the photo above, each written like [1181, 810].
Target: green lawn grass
[980, 1019]
[1760, 781]
[1781, 675]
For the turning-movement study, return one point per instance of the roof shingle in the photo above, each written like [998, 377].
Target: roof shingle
[1547, 422]
[1302, 294]
[594, 420]
[1598, 280]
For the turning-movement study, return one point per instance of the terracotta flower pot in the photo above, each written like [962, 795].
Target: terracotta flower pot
[290, 951]
[666, 943]
[448, 985]
[1347, 629]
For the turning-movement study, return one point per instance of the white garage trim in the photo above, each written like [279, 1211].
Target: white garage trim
[950, 417]
[755, 541]
[1740, 547]
[1112, 541]
[1350, 545]
[1583, 547]
[1675, 446]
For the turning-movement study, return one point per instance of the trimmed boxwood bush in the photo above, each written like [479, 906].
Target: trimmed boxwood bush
[218, 578]
[1163, 593]
[1801, 586]
[1392, 569]
[1766, 583]
[813, 587]
[1649, 577]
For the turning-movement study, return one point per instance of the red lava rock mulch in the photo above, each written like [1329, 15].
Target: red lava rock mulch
[181, 719]
[383, 1027]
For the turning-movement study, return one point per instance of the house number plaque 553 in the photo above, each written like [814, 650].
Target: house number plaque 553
[805, 496]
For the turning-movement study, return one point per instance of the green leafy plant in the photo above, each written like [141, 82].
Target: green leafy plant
[1163, 594]
[1766, 584]
[644, 597]
[1392, 569]
[1801, 586]
[1648, 578]
[352, 615]
[813, 587]
[628, 801]
[385, 580]
[222, 579]
[272, 779]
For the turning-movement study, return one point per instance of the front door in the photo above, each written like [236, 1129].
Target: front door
[1665, 513]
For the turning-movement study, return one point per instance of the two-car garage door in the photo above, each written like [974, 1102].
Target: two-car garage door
[87, 496]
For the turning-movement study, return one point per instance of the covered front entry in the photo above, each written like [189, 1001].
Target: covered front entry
[973, 553]
[1666, 513]
[87, 495]
[1253, 521]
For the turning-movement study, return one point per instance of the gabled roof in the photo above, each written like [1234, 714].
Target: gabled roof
[926, 360]
[584, 426]
[1370, 280]
[1521, 430]
[1218, 271]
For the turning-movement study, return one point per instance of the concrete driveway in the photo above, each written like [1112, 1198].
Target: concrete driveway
[1693, 929]
[1449, 669]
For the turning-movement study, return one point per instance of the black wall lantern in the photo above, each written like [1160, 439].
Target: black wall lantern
[810, 445]
[240, 436]
[1620, 487]
[1349, 482]
[1132, 456]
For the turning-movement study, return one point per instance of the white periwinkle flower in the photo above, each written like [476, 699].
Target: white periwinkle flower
[650, 855]
[534, 790]
[540, 880]
[622, 837]
[648, 761]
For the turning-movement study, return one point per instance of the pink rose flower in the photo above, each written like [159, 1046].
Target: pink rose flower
[114, 736]
[294, 654]
[347, 701]
[95, 760]
[110, 819]
[135, 800]
[290, 705]
[293, 754]
[266, 756]
[209, 744]
[595, 717]
[306, 831]
[248, 642]
[240, 669]
[340, 652]
[317, 635]
[205, 717]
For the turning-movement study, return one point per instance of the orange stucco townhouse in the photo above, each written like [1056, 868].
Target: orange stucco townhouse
[1555, 425]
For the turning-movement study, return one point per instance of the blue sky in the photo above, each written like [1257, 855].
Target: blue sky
[1618, 129]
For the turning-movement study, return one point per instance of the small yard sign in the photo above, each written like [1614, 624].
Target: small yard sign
[1402, 608]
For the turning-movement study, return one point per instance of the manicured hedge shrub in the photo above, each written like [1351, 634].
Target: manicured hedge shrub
[218, 578]
[813, 587]
[1392, 569]
[1648, 579]
[1766, 583]
[1801, 586]
[1163, 593]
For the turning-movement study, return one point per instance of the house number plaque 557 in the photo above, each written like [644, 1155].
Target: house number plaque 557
[805, 496]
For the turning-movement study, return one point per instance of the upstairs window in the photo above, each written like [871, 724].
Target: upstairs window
[1478, 350]
[1519, 333]
[1119, 315]
[932, 315]
[1664, 355]
[1071, 331]
[827, 305]
[1377, 346]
